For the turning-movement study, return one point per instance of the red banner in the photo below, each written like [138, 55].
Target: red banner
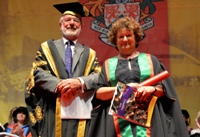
[152, 15]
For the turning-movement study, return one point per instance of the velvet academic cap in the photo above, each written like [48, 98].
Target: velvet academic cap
[20, 109]
[73, 8]
[185, 113]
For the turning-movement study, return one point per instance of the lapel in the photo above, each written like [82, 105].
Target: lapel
[55, 49]
[77, 54]
[61, 48]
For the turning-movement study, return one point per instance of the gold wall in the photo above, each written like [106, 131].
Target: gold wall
[184, 41]
[25, 24]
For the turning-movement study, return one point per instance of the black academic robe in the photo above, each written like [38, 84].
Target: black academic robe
[167, 119]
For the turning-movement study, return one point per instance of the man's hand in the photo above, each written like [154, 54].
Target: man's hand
[69, 85]
[68, 89]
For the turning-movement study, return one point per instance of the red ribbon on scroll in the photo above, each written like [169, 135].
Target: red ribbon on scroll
[155, 79]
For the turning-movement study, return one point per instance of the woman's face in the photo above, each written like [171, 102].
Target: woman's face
[21, 117]
[125, 42]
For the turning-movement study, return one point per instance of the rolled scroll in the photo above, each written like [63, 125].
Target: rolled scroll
[155, 79]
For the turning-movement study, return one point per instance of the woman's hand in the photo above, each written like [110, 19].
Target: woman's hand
[144, 92]
[17, 130]
[135, 86]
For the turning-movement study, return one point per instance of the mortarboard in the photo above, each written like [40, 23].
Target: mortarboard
[73, 8]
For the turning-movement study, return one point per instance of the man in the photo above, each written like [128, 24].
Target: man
[61, 81]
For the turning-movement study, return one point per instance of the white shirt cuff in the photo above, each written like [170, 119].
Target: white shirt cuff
[83, 84]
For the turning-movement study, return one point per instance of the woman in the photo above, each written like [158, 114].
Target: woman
[186, 117]
[196, 132]
[20, 126]
[10, 118]
[132, 67]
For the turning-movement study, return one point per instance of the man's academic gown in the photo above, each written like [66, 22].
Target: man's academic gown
[40, 94]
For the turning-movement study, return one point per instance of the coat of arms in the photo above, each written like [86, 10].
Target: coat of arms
[107, 13]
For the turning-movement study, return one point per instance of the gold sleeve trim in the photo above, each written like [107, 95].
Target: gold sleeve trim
[30, 79]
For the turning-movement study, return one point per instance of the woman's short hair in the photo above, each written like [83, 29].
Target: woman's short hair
[125, 22]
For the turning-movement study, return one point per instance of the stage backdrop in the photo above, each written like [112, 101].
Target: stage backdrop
[171, 32]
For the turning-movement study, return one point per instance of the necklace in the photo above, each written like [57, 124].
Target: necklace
[133, 55]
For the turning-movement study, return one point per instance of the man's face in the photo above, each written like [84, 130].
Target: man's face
[70, 26]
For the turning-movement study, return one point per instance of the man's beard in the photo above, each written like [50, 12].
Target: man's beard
[70, 33]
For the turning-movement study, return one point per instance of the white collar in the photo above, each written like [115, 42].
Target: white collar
[65, 40]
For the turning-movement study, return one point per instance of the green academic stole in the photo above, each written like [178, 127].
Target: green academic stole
[123, 128]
